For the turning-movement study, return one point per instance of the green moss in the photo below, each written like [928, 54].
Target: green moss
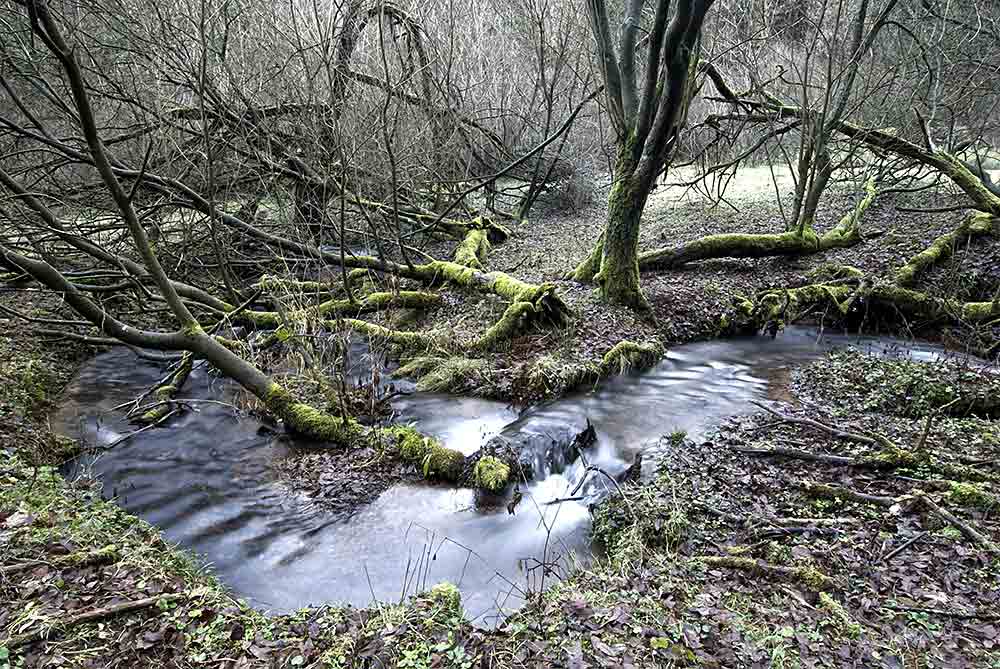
[308, 421]
[626, 356]
[971, 494]
[974, 225]
[444, 374]
[552, 375]
[408, 341]
[428, 454]
[447, 595]
[842, 620]
[491, 474]
[472, 250]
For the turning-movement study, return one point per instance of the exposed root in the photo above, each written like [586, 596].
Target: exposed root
[587, 270]
[530, 306]
[87, 617]
[975, 225]
[972, 534]
[105, 555]
[443, 374]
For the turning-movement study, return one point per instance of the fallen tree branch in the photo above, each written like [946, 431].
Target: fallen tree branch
[810, 577]
[88, 616]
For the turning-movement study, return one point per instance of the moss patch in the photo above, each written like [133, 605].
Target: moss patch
[491, 474]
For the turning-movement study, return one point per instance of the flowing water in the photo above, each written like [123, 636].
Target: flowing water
[205, 479]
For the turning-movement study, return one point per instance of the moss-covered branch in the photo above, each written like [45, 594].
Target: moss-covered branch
[406, 299]
[941, 249]
[167, 390]
[800, 241]
[473, 249]
[410, 341]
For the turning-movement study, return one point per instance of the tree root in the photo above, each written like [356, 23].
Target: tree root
[626, 356]
[970, 533]
[588, 268]
[810, 577]
[105, 555]
[442, 374]
[537, 304]
[826, 491]
[797, 242]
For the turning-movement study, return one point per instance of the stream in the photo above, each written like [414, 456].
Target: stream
[206, 481]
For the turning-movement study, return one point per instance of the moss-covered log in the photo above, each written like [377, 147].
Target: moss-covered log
[443, 374]
[801, 241]
[473, 249]
[975, 225]
[310, 422]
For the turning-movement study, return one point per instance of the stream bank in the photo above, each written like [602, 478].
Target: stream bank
[647, 604]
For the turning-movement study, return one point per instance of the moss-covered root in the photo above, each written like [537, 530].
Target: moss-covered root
[848, 231]
[975, 225]
[626, 356]
[473, 249]
[809, 577]
[166, 391]
[589, 266]
[781, 306]
[444, 374]
[407, 299]
[494, 232]
[310, 422]
[426, 453]
[549, 307]
[841, 618]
